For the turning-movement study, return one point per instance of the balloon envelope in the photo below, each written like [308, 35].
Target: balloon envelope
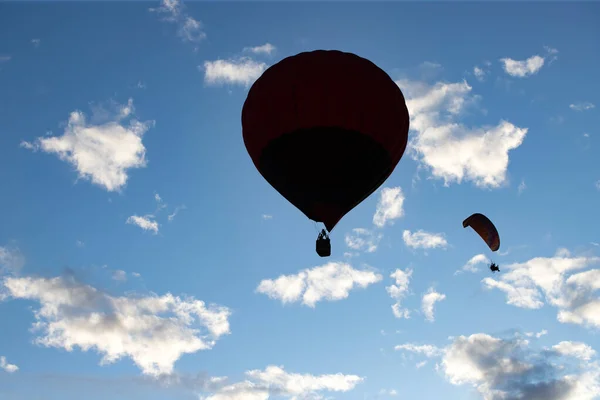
[484, 228]
[325, 128]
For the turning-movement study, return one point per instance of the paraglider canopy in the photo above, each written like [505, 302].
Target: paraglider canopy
[325, 129]
[484, 228]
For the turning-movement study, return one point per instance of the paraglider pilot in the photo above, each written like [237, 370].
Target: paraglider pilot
[494, 267]
[323, 244]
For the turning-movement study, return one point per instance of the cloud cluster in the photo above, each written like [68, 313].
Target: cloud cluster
[555, 280]
[102, 152]
[154, 331]
[450, 150]
[501, 369]
[332, 281]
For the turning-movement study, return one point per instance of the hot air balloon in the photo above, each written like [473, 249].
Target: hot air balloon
[325, 129]
[487, 231]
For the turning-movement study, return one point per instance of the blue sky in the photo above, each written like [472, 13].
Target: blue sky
[143, 256]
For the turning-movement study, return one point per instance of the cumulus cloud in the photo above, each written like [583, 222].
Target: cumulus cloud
[450, 150]
[11, 259]
[241, 71]
[424, 240]
[332, 281]
[502, 369]
[10, 368]
[146, 222]
[102, 153]
[473, 264]
[189, 29]
[583, 106]
[389, 206]
[266, 48]
[363, 240]
[428, 302]
[399, 290]
[275, 381]
[523, 68]
[154, 331]
[556, 281]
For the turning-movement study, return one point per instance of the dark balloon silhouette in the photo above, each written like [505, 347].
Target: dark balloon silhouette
[484, 228]
[325, 129]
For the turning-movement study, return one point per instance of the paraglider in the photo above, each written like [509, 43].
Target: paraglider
[325, 129]
[487, 231]
[494, 267]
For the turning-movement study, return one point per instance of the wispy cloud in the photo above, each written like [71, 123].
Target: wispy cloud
[473, 263]
[11, 259]
[583, 106]
[363, 240]
[399, 290]
[522, 186]
[36, 42]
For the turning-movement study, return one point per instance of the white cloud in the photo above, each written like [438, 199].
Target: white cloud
[389, 206]
[386, 392]
[266, 48]
[420, 364]
[11, 259]
[267, 216]
[528, 284]
[331, 281]
[189, 29]
[10, 368]
[136, 274]
[79, 243]
[480, 73]
[522, 186]
[153, 331]
[450, 150]
[242, 71]
[584, 106]
[172, 216]
[119, 275]
[524, 68]
[36, 42]
[472, 264]
[399, 290]
[102, 153]
[428, 302]
[146, 222]
[363, 240]
[275, 381]
[575, 349]
[424, 240]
